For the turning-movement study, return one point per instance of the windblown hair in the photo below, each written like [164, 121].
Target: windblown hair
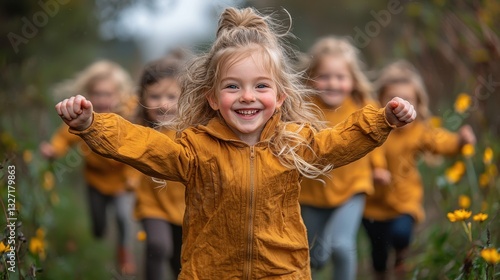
[403, 72]
[242, 33]
[332, 46]
[170, 66]
[84, 81]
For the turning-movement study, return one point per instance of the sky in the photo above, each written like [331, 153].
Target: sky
[159, 25]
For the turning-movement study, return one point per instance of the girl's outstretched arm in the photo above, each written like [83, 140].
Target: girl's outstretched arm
[399, 112]
[109, 135]
[76, 112]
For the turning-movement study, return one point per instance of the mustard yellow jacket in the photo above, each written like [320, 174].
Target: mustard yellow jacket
[242, 218]
[346, 181]
[160, 200]
[402, 149]
[106, 175]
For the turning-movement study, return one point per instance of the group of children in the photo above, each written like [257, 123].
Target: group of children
[261, 167]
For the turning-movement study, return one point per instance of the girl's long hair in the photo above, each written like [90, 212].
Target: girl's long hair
[242, 33]
[100, 70]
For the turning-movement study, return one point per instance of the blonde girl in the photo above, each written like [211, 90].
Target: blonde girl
[392, 211]
[332, 208]
[160, 204]
[246, 139]
[107, 85]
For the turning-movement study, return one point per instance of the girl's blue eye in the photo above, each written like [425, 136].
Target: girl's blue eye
[262, 86]
[232, 86]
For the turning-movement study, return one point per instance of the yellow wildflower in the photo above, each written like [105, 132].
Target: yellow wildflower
[37, 244]
[462, 103]
[490, 255]
[488, 156]
[141, 235]
[454, 173]
[484, 180]
[37, 247]
[468, 150]
[48, 180]
[459, 215]
[3, 248]
[463, 201]
[480, 217]
[27, 156]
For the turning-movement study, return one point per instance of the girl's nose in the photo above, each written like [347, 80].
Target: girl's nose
[247, 96]
[332, 81]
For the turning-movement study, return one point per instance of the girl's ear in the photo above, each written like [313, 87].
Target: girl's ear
[279, 100]
[213, 103]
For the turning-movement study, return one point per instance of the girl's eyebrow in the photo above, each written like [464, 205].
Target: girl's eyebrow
[259, 78]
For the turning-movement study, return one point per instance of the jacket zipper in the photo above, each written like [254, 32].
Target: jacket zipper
[248, 270]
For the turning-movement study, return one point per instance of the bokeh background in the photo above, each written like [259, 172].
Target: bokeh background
[454, 44]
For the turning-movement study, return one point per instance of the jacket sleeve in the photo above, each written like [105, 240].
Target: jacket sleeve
[440, 141]
[149, 151]
[353, 138]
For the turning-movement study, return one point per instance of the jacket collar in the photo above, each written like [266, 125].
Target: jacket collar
[218, 128]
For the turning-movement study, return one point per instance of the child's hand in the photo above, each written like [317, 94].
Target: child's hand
[76, 112]
[381, 176]
[467, 135]
[399, 112]
[47, 150]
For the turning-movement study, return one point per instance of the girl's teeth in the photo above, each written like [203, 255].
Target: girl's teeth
[250, 112]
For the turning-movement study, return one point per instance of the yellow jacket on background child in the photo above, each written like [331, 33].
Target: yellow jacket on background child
[160, 204]
[332, 208]
[110, 88]
[397, 204]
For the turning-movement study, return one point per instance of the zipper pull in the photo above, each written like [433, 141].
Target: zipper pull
[252, 152]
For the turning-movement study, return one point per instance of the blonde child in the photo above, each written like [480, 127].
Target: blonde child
[332, 208]
[110, 88]
[160, 205]
[246, 138]
[392, 211]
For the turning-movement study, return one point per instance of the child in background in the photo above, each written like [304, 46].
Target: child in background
[160, 205]
[332, 208]
[246, 138]
[110, 88]
[392, 211]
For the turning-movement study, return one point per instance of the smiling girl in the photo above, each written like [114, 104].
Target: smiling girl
[246, 139]
[332, 209]
[160, 204]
